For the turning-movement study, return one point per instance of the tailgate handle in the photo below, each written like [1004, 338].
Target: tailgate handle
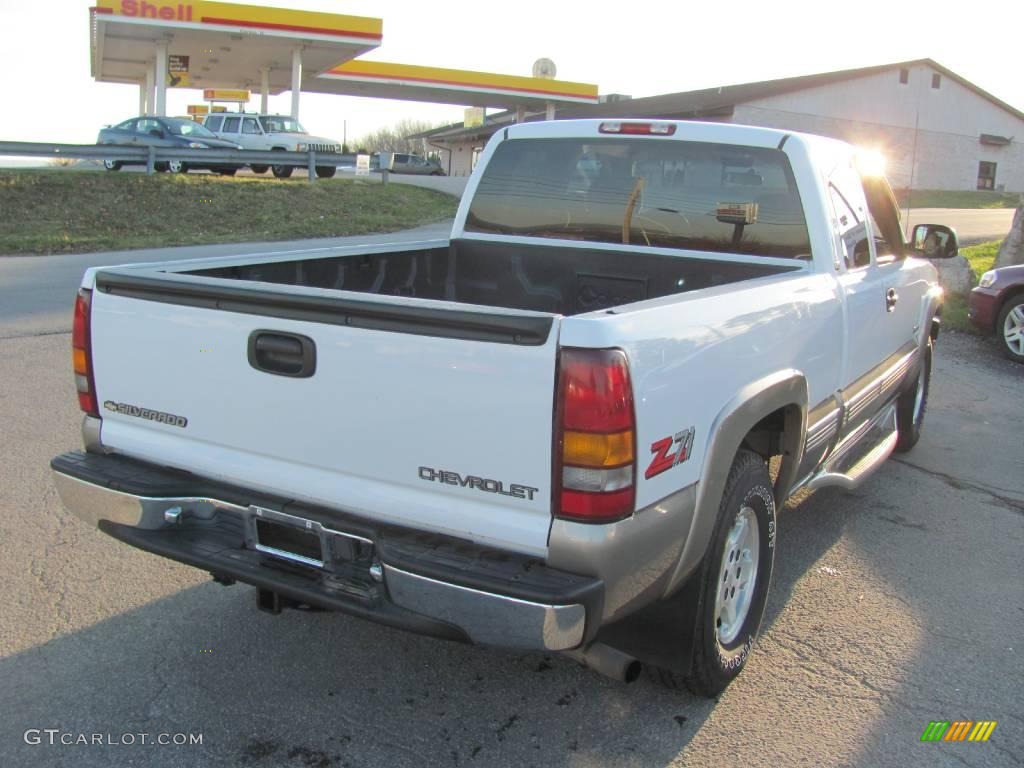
[282, 354]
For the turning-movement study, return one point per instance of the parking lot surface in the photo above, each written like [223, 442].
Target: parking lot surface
[894, 605]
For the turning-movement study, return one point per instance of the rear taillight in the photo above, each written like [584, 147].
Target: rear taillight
[81, 354]
[595, 437]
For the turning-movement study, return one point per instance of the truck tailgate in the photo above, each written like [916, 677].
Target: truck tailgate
[429, 423]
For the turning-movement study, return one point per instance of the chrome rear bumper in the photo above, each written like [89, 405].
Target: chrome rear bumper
[209, 532]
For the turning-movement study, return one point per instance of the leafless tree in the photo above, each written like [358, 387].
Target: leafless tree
[396, 138]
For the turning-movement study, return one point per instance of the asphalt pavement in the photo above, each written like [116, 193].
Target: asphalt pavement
[894, 605]
[972, 225]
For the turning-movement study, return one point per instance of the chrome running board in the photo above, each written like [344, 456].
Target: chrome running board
[860, 454]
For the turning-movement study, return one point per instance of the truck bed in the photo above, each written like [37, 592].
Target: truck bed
[539, 278]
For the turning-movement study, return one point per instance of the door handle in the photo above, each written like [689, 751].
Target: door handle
[282, 354]
[891, 297]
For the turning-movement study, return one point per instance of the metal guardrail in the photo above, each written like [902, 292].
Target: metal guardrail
[151, 156]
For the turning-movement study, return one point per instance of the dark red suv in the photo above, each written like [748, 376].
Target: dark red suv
[997, 306]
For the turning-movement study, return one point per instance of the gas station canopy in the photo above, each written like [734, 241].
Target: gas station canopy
[448, 86]
[203, 44]
[227, 45]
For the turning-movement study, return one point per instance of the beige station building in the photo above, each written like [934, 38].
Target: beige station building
[935, 129]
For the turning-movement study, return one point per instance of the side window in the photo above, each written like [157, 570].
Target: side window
[127, 125]
[249, 125]
[231, 124]
[847, 197]
[885, 219]
[145, 126]
[213, 122]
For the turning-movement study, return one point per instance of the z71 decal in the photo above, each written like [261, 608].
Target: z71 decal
[669, 452]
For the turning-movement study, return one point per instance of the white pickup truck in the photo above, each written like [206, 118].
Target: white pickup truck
[552, 430]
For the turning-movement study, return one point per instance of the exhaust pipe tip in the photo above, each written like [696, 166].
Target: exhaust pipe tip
[608, 661]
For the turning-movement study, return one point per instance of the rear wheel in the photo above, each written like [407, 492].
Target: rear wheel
[911, 406]
[259, 168]
[326, 171]
[1010, 328]
[112, 165]
[735, 578]
[177, 166]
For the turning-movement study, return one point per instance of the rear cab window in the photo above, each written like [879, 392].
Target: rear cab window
[231, 124]
[214, 122]
[666, 193]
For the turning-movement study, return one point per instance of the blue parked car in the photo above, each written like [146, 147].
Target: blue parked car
[166, 132]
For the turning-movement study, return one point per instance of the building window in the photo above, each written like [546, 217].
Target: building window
[986, 175]
[936, 80]
[904, 76]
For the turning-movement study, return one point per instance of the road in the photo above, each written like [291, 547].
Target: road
[896, 604]
[971, 224]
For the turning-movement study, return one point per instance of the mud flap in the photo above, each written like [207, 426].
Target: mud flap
[662, 634]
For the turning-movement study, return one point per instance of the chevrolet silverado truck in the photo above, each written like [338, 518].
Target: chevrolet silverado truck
[566, 428]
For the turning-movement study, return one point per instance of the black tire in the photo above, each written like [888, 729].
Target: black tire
[259, 168]
[112, 165]
[326, 171]
[282, 171]
[912, 404]
[177, 166]
[1013, 306]
[717, 660]
[160, 167]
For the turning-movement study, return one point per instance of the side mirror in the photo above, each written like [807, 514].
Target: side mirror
[935, 241]
[156, 132]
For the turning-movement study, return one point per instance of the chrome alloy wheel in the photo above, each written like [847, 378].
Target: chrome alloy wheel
[737, 578]
[1013, 330]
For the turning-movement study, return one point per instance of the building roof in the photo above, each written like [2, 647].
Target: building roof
[709, 103]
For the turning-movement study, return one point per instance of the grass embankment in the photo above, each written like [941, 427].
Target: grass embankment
[981, 257]
[52, 211]
[952, 198]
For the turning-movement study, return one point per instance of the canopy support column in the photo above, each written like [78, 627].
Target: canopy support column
[296, 80]
[264, 89]
[150, 85]
[520, 114]
[161, 79]
[549, 110]
[142, 98]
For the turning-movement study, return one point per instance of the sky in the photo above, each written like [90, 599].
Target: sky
[639, 47]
